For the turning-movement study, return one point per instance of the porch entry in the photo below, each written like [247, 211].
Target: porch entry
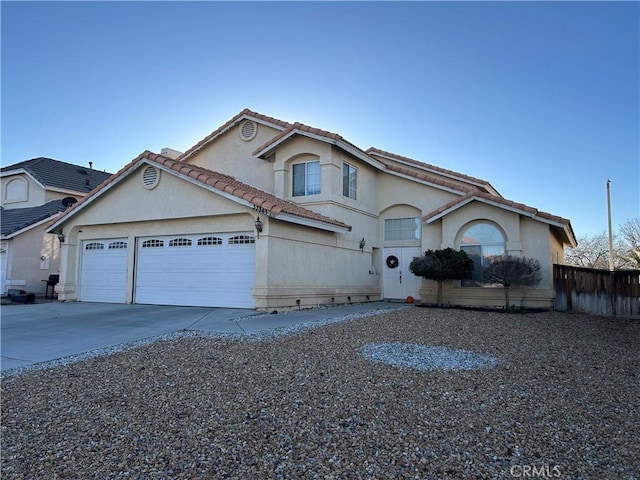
[398, 282]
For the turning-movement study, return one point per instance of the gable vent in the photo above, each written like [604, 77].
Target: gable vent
[248, 130]
[150, 177]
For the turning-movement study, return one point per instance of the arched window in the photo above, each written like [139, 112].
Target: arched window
[480, 241]
[16, 190]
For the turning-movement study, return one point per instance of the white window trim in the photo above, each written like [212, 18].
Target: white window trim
[418, 230]
[349, 194]
[306, 179]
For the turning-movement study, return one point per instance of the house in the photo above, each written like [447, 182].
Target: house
[262, 213]
[33, 192]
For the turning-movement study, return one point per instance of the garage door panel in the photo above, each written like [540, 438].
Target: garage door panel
[202, 270]
[103, 275]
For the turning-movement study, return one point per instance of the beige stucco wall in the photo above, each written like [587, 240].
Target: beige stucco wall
[292, 262]
[231, 155]
[393, 190]
[312, 266]
[557, 249]
[35, 194]
[523, 236]
[300, 262]
[129, 211]
[32, 257]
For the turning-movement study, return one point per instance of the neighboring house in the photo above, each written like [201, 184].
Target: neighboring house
[32, 193]
[264, 214]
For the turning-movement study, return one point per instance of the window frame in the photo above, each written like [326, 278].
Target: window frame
[349, 181]
[483, 251]
[311, 186]
[416, 229]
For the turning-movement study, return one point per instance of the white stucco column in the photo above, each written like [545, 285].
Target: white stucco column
[67, 285]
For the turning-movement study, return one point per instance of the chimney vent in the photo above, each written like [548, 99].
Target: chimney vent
[170, 153]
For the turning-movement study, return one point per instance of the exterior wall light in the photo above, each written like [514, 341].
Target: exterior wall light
[362, 244]
[61, 237]
[258, 225]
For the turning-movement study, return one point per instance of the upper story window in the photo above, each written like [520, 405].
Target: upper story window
[306, 178]
[402, 228]
[481, 241]
[16, 190]
[349, 181]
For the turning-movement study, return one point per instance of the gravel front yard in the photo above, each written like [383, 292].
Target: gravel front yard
[561, 400]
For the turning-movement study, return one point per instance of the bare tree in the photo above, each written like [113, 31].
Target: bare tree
[593, 251]
[629, 233]
[508, 270]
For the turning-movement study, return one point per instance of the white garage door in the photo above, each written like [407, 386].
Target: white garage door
[103, 275]
[210, 270]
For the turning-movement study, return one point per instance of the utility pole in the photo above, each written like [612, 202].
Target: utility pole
[611, 266]
[612, 274]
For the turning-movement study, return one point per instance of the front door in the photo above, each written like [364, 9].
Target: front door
[398, 282]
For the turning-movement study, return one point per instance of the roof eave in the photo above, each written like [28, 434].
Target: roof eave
[307, 222]
[57, 225]
[73, 211]
[287, 217]
[343, 145]
[565, 227]
[9, 236]
[476, 182]
[426, 182]
[224, 129]
[22, 171]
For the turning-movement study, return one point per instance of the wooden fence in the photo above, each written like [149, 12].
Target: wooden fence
[598, 292]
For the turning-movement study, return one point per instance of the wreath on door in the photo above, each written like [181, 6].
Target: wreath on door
[392, 261]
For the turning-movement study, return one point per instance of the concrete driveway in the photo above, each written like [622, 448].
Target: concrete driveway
[33, 334]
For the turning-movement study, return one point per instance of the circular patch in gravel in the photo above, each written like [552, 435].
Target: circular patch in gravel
[425, 357]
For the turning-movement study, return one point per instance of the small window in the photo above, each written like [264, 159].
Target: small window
[242, 239]
[152, 243]
[402, 229]
[117, 245]
[16, 190]
[306, 179]
[180, 242]
[209, 241]
[349, 181]
[481, 241]
[94, 246]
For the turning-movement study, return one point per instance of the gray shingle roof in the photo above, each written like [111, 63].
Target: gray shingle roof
[16, 219]
[57, 174]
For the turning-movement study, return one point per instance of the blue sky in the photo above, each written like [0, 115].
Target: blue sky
[541, 99]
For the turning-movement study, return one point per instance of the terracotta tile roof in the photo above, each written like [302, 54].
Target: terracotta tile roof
[266, 202]
[301, 128]
[431, 179]
[229, 124]
[434, 168]
[502, 201]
